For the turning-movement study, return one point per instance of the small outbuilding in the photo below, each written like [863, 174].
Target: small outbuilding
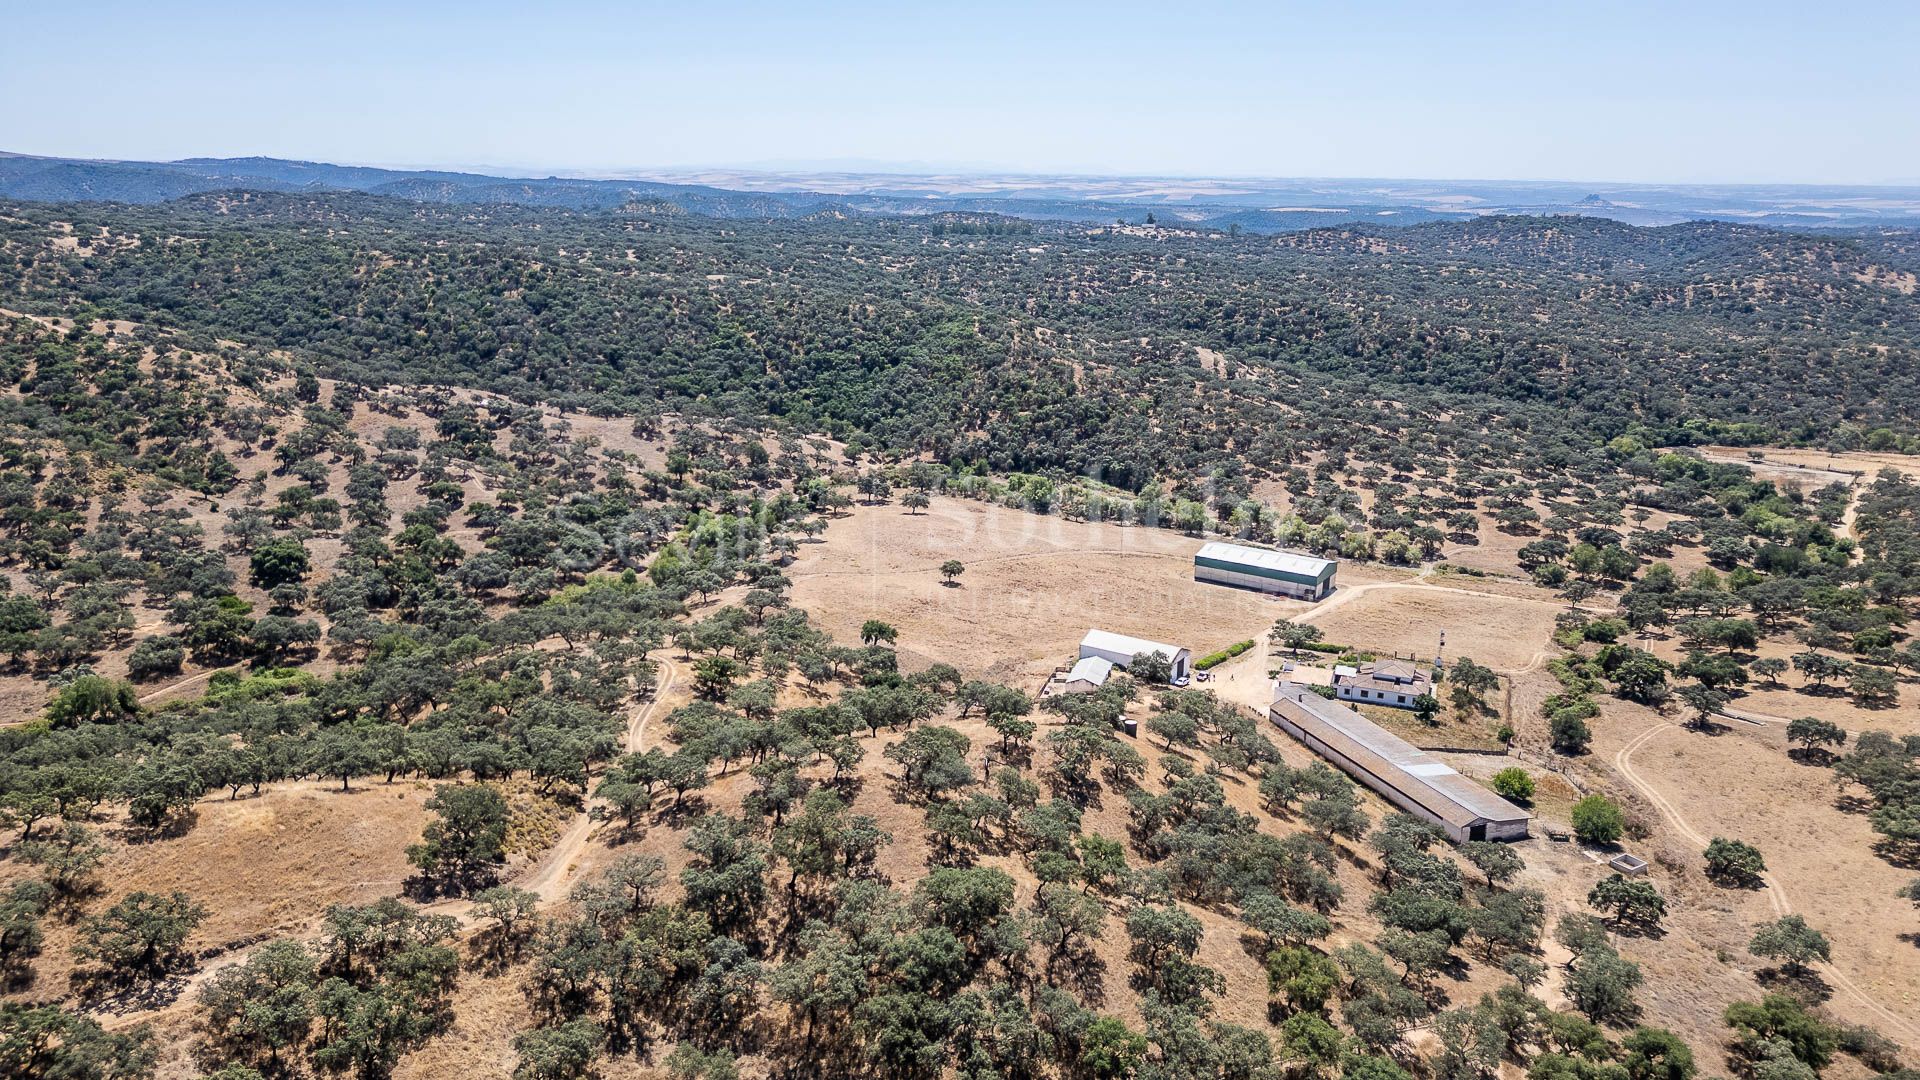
[1404, 775]
[1118, 650]
[1283, 573]
[1088, 675]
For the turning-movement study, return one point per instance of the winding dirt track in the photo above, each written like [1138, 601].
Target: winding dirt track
[549, 879]
[1776, 895]
[171, 687]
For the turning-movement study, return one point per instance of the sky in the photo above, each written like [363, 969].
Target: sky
[1695, 92]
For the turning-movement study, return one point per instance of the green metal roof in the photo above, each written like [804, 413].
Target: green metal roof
[1255, 570]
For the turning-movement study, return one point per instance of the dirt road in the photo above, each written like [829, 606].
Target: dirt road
[550, 878]
[1776, 895]
[171, 687]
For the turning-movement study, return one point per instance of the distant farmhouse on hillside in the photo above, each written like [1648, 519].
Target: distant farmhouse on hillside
[1407, 777]
[1283, 573]
[1398, 683]
[1118, 651]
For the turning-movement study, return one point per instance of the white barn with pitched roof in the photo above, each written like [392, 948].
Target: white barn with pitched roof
[1119, 650]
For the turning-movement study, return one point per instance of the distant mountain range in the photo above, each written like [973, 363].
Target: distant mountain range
[1252, 205]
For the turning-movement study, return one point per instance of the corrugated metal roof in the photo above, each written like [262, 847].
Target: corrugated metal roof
[1287, 562]
[1108, 641]
[1413, 772]
[1092, 669]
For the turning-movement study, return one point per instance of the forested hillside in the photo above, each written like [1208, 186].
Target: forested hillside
[1036, 346]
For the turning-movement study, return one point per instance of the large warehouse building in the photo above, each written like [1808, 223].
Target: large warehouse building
[1286, 573]
[1404, 775]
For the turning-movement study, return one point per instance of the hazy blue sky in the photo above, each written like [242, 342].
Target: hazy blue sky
[1680, 91]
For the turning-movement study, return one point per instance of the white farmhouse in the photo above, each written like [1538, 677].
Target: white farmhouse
[1397, 683]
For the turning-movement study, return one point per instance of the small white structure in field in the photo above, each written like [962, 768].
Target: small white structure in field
[1088, 675]
[1119, 651]
[1283, 573]
[1630, 865]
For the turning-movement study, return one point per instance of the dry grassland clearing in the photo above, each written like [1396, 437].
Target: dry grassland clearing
[1682, 789]
[264, 866]
[1739, 783]
[272, 863]
[1033, 586]
[1503, 632]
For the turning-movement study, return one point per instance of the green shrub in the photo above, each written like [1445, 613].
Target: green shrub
[159, 655]
[1606, 631]
[1513, 782]
[93, 699]
[1568, 731]
[1598, 820]
[1215, 659]
[230, 685]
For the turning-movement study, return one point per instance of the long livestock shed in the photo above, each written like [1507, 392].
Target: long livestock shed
[1404, 775]
[1286, 573]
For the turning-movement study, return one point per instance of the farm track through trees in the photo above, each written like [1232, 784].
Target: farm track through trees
[549, 878]
[1776, 895]
[155, 695]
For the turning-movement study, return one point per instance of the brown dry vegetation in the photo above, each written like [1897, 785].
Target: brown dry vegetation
[1033, 587]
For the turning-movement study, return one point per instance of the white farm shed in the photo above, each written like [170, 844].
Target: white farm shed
[1119, 651]
[1404, 775]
